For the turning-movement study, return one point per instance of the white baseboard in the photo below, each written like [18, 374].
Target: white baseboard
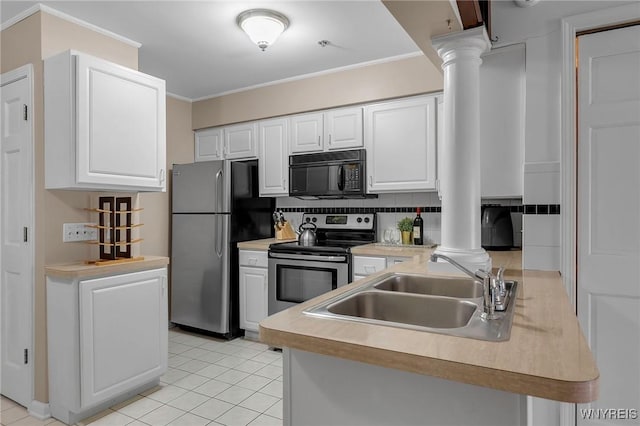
[39, 410]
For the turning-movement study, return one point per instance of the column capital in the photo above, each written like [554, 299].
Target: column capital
[474, 42]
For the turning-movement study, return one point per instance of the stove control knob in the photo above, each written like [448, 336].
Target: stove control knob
[359, 220]
[314, 220]
[366, 220]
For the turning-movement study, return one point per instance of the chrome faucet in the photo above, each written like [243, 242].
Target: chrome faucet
[490, 286]
[501, 294]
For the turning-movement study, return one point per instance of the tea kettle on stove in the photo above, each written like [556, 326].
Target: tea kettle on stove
[307, 234]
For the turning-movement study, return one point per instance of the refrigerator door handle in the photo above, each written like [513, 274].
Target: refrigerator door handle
[219, 190]
[219, 236]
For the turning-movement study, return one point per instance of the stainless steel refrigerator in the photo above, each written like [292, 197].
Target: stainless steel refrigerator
[215, 205]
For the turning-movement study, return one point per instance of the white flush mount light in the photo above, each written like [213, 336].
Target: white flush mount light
[263, 26]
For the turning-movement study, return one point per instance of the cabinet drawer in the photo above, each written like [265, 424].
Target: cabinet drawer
[253, 258]
[368, 265]
[395, 260]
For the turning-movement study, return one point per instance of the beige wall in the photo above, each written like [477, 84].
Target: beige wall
[59, 35]
[29, 41]
[371, 83]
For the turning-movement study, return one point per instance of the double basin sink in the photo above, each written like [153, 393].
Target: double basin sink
[444, 305]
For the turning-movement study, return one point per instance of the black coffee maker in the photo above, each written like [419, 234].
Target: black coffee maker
[497, 229]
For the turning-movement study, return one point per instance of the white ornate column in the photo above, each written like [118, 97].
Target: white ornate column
[459, 173]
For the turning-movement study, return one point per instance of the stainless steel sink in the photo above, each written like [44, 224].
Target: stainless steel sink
[436, 286]
[406, 309]
[443, 305]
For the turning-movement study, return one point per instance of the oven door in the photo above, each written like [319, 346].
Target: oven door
[296, 278]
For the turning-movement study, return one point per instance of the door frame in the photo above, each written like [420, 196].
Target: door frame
[27, 71]
[570, 26]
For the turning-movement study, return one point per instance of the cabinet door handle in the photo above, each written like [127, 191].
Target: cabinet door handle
[162, 175]
[319, 141]
[284, 184]
[370, 181]
[330, 142]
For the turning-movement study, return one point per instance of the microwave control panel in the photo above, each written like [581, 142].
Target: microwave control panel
[352, 177]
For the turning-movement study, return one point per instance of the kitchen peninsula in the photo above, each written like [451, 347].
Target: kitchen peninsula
[377, 375]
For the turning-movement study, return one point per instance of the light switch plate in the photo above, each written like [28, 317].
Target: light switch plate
[73, 232]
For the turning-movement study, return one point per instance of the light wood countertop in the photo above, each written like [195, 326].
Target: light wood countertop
[547, 355]
[260, 245]
[82, 270]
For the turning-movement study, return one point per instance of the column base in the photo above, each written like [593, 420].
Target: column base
[471, 259]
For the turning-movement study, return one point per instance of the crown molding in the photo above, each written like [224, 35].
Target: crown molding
[315, 74]
[51, 11]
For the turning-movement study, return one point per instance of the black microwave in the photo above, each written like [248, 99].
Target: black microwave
[337, 174]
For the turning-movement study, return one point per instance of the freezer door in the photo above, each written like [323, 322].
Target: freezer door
[200, 187]
[200, 271]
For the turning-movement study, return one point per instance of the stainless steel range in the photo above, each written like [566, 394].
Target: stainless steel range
[298, 273]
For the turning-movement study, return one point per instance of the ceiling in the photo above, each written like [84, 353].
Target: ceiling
[199, 50]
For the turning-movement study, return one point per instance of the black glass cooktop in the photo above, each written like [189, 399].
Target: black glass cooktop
[321, 247]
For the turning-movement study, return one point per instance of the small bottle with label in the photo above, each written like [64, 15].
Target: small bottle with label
[418, 239]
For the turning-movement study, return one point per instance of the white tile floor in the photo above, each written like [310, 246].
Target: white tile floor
[209, 382]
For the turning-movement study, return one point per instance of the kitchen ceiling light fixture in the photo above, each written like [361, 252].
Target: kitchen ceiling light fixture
[263, 26]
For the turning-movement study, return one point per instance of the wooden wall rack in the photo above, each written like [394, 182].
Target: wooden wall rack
[114, 230]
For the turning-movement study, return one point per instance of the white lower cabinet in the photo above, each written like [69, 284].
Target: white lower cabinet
[253, 277]
[107, 339]
[367, 265]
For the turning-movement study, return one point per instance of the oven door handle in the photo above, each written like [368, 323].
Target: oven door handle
[309, 258]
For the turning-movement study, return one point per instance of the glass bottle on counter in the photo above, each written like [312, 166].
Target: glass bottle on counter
[418, 239]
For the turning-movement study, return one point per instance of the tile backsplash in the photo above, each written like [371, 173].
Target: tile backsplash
[390, 208]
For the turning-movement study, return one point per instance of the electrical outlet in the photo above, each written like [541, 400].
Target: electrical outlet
[73, 232]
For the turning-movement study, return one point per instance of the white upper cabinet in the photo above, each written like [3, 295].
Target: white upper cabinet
[307, 132]
[208, 144]
[240, 141]
[400, 139]
[502, 119]
[233, 142]
[105, 126]
[330, 130]
[273, 159]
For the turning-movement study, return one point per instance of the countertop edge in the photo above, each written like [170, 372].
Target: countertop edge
[76, 270]
[547, 324]
[543, 387]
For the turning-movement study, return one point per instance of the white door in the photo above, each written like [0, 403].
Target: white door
[16, 202]
[608, 272]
